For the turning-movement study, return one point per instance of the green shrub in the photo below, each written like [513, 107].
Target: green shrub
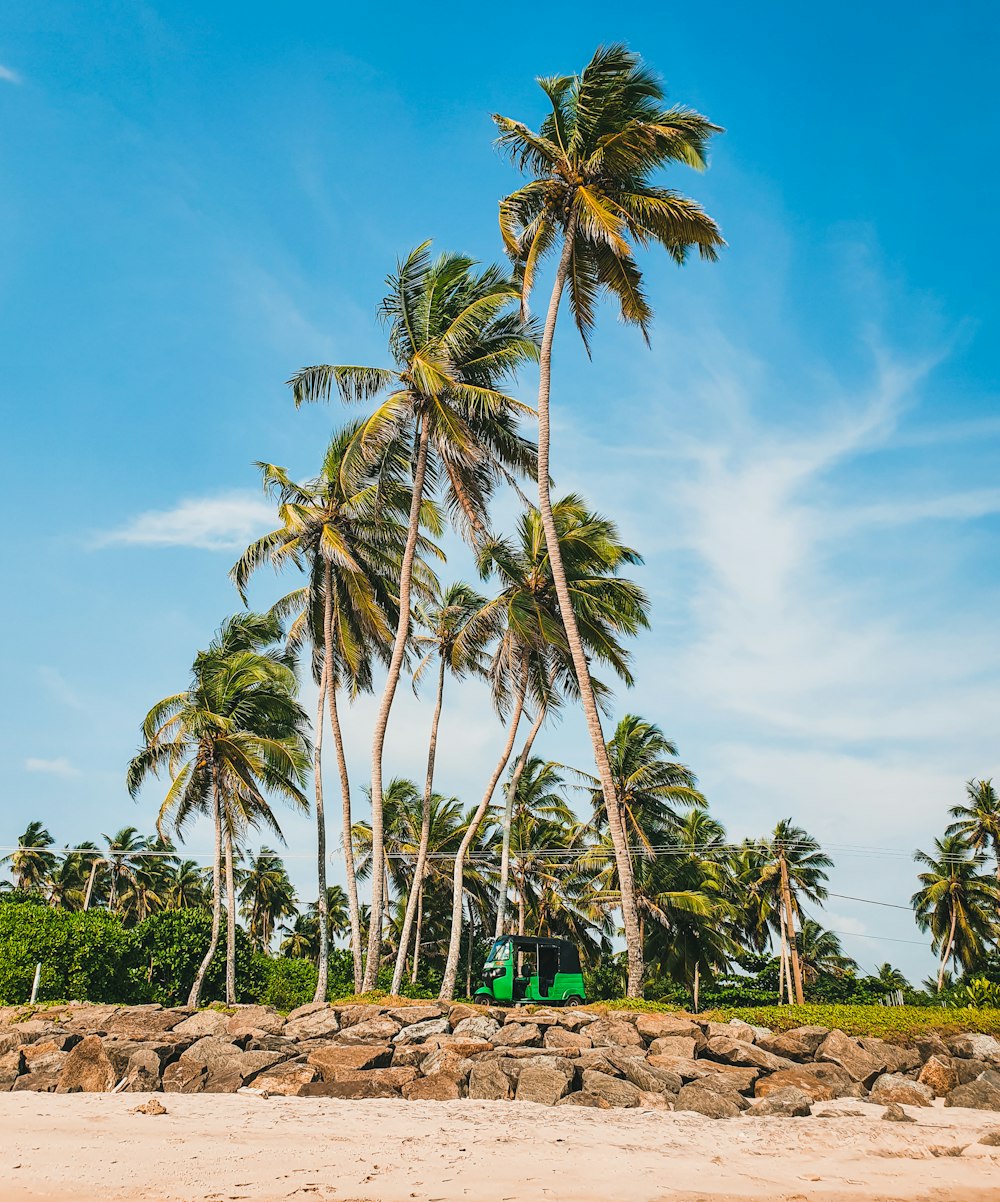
[895, 1023]
[287, 983]
[171, 945]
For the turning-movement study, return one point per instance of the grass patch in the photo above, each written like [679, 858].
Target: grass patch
[894, 1023]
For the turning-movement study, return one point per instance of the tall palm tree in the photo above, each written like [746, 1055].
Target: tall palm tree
[590, 200]
[32, 863]
[454, 340]
[345, 529]
[267, 896]
[955, 902]
[233, 736]
[454, 637]
[978, 821]
[606, 608]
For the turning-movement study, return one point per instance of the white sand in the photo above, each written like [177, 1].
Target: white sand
[213, 1148]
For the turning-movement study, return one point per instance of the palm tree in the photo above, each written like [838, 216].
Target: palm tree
[978, 822]
[453, 637]
[67, 882]
[184, 887]
[590, 190]
[301, 940]
[891, 978]
[267, 896]
[820, 953]
[121, 858]
[345, 528]
[234, 734]
[454, 340]
[606, 608]
[338, 915]
[32, 863]
[956, 903]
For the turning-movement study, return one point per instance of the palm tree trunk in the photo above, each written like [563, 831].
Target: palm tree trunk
[417, 932]
[948, 946]
[425, 836]
[630, 917]
[451, 965]
[783, 961]
[468, 955]
[786, 894]
[697, 983]
[230, 919]
[323, 963]
[382, 718]
[508, 819]
[194, 997]
[90, 885]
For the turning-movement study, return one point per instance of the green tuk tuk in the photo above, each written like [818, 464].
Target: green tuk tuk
[520, 968]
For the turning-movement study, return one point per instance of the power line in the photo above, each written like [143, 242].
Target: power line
[870, 902]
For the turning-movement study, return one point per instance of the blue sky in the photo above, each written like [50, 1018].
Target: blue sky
[198, 200]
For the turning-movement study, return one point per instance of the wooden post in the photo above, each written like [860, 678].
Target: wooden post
[786, 894]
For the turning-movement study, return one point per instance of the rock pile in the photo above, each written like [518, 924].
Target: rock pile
[431, 1051]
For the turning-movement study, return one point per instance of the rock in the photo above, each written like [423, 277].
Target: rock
[655, 1101]
[375, 1030]
[583, 1098]
[185, 1076]
[418, 1032]
[732, 1080]
[91, 1019]
[940, 1076]
[614, 1032]
[144, 1073]
[747, 1055]
[667, 1026]
[980, 1094]
[228, 1074]
[649, 1078]
[614, 1091]
[254, 1020]
[11, 1067]
[406, 1016]
[782, 1103]
[684, 1046]
[574, 1020]
[979, 1047]
[736, 1029]
[320, 1022]
[87, 1069]
[893, 1087]
[477, 1026]
[209, 1049]
[445, 1060]
[798, 1044]
[36, 1053]
[335, 1060]
[143, 1023]
[366, 1012]
[153, 1106]
[794, 1078]
[307, 1008]
[205, 1022]
[359, 1087]
[541, 1083]
[562, 1037]
[991, 1138]
[439, 1088]
[895, 1057]
[285, 1079]
[894, 1113]
[517, 1035]
[42, 1070]
[841, 1050]
[686, 1067]
[407, 1055]
[462, 1010]
[489, 1082]
[707, 1102]
[529, 1053]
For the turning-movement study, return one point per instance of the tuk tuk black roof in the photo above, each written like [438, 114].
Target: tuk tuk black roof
[569, 955]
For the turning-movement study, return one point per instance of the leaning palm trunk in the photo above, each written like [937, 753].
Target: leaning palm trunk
[948, 946]
[454, 943]
[417, 934]
[382, 719]
[323, 963]
[616, 827]
[230, 920]
[508, 820]
[425, 837]
[195, 995]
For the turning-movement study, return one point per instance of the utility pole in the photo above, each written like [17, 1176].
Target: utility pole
[786, 896]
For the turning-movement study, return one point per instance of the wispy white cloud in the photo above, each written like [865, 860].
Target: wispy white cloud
[57, 767]
[8, 75]
[221, 523]
[60, 688]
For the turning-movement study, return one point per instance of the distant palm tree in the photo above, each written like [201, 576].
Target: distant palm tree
[821, 954]
[122, 860]
[956, 903]
[454, 341]
[301, 940]
[184, 887]
[978, 822]
[891, 978]
[590, 199]
[267, 896]
[67, 883]
[234, 735]
[32, 863]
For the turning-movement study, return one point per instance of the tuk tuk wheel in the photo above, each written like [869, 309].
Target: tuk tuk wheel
[483, 999]
[573, 1000]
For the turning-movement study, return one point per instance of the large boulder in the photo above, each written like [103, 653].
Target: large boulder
[254, 1021]
[713, 1105]
[648, 1078]
[319, 1022]
[666, 1026]
[582, 1097]
[729, 1083]
[185, 1076]
[563, 1037]
[418, 1032]
[517, 1035]
[406, 1016]
[614, 1032]
[684, 1046]
[11, 1067]
[374, 1030]
[231, 1073]
[800, 1043]
[362, 1086]
[476, 1026]
[440, 1088]
[614, 1091]
[446, 1060]
[335, 1060]
[940, 1076]
[896, 1057]
[205, 1022]
[143, 1023]
[841, 1050]
[782, 1103]
[794, 1078]
[87, 1068]
[489, 1082]
[209, 1049]
[893, 1087]
[976, 1046]
[285, 1079]
[541, 1083]
[144, 1073]
[981, 1094]
[744, 1054]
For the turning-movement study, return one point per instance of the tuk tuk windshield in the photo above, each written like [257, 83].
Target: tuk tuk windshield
[500, 952]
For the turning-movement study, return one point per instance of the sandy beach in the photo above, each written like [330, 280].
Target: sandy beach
[220, 1148]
